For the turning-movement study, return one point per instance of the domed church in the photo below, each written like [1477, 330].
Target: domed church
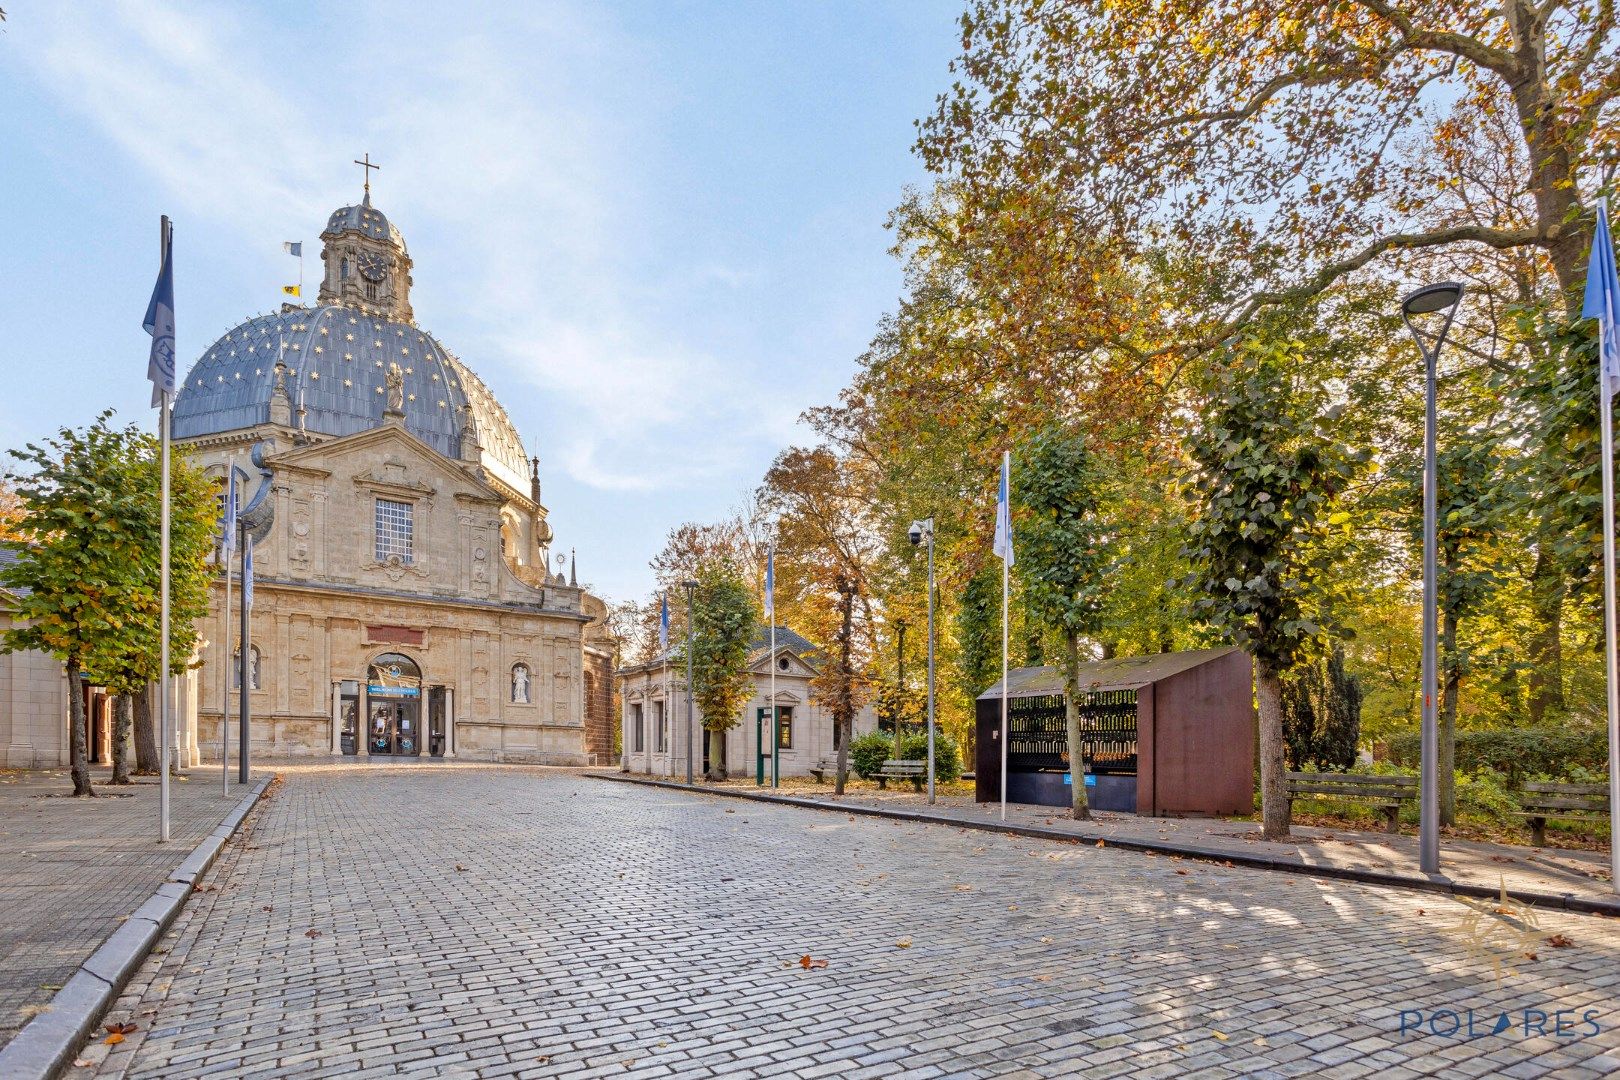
[405, 606]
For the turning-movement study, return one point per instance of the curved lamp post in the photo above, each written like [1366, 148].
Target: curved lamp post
[1444, 297]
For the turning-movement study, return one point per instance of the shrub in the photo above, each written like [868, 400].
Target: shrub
[947, 755]
[868, 752]
[1516, 753]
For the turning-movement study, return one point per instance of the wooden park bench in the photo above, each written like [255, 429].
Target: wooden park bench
[1543, 800]
[821, 768]
[903, 768]
[1389, 792]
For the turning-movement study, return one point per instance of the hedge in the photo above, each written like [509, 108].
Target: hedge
[1517, 753]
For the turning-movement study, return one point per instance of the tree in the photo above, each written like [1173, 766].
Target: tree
[723, 621]
[1289, 143]
[839, 682]
[1268, 474]
[1322, 714]
[89, 566]
[1064, 552]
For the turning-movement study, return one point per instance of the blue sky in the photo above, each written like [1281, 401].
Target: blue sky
[654, 229]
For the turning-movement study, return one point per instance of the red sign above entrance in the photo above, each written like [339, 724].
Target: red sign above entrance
[394, 635]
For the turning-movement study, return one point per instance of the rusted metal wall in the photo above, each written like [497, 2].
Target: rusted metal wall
[1197, 750]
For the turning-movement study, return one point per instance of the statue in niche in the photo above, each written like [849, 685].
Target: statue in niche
[520, 684]
[396, 388]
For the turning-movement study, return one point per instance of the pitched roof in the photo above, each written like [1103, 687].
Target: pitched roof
[1119, 673]
[7, 557]
[759, 646]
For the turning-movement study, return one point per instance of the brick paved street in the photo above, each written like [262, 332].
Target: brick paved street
[501, 921]
[71, 869]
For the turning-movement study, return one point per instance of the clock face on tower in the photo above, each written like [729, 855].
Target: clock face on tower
[373, 267]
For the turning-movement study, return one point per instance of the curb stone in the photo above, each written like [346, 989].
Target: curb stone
[45, 1046]
[1582, 905]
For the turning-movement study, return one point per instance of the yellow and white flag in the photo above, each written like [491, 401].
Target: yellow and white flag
[292, 290]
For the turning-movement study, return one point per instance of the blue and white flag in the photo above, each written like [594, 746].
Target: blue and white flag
[770, 584]
[1603, 300]
[159, 322]
[663, 624]
[294, 248]
[227, 524]
[247, 574]
[1003, 544]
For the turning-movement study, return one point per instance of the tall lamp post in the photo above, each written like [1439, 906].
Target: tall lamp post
[919, 532]
[691, 590]
[1430, 300]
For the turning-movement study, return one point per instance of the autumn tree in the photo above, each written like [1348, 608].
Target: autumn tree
[1268, 472]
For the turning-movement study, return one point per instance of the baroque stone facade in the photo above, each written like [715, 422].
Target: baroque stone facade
[403, 602]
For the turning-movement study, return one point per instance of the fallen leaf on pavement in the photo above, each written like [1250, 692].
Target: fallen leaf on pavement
[121, 1029]
[460, 869]
[114, 1039]
[81, 1063]
[312, 933]
[1101, 844]
[807, 963]
[1221, 1035]
[1046, 941]
[903, 943]
[1181, 871]
[1559, 941]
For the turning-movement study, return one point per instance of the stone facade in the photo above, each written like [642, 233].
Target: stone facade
[653, 715]
[403, 602]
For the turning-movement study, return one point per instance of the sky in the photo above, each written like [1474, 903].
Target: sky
[655, 229]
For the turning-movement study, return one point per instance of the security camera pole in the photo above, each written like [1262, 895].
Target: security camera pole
[920, 531]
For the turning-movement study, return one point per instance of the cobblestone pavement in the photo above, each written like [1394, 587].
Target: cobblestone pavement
[1553, 871]
[72, 869]
[487, 921]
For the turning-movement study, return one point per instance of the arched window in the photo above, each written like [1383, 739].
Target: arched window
[253, 668]
[343, 269]
[520, 684]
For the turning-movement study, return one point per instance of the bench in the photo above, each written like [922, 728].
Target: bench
[1389, 792]
[1543, 800]
[821, 768]
[903, 768]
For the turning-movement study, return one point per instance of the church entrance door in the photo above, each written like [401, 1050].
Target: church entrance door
[394, 699]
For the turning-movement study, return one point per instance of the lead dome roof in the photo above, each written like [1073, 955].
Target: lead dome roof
[336, 360]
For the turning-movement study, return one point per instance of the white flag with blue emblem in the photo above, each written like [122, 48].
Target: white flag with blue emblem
[663, 624]
[247, 574]
[159, 322]
[770, 584]
[1003, 545]
[227, 524]
[1603, 300]
[294, 248]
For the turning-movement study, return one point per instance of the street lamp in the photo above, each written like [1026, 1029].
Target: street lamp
[1430, 300]
[691, 588]
[919, 532]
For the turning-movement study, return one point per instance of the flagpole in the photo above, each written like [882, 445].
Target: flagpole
[1610, 638]
[225, 618]
[1006, 469]
[776, 724]
[163, 383]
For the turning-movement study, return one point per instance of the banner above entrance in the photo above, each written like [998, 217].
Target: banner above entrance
[373, 690]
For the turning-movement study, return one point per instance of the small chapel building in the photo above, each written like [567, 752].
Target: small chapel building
[406, 605]
[652, 698]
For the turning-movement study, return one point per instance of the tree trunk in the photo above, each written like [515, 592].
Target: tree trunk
[77, 762]
[717, 755]
[1546, 644]
[146, 747]
[844, 703]
[1450, 683]
[1274, 808]
[1081, 809]
[123, 721]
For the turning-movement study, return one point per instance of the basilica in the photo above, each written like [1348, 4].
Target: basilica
[405, 604]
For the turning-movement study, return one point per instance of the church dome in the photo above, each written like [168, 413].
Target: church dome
[336, 360]
[366, 220]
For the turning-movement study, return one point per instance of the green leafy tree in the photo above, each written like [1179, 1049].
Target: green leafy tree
[1322, 714]
[723, 622]
[89, 569]
[1268, 474]
[1063, 552]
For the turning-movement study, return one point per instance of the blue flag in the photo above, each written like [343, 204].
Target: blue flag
[247, 574]
[159, 322]
[663, 624]
[227, 525]
[770, 584]
[1603, 300]
[1003, 544]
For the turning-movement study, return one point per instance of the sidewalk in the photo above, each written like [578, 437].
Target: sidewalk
[72, 870]
[1578, 880]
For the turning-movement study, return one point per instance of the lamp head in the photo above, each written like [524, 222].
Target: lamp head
[689, 585]
[1432, 298]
